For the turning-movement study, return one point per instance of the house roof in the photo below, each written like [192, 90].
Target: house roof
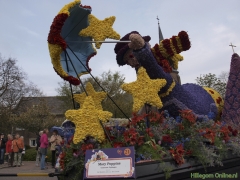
[54, 103]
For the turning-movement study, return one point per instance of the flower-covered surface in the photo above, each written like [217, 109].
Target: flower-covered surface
[217, 98]
[87, 122]
[100, 30]
[231, 110]
[62, 49]
[144, 90]
[158, 136]
[170, 49]
[96, 96]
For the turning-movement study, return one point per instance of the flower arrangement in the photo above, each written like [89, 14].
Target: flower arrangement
[145, 90]
[100, 30]
[157, 136]
[87, 122]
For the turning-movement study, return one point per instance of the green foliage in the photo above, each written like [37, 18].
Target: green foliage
[30, 155]
[148, 150]
[212, 81]
[35, 118]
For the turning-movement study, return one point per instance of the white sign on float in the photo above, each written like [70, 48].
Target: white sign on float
[114, 167]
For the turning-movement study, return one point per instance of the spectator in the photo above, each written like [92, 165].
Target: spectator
[17, 147]
[38, 156]
[2, 148]
[24, 150]
[43, 148]
[9, 150]
[55, 140]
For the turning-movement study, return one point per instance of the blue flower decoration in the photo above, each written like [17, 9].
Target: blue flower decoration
[178, 119]
[211, 115]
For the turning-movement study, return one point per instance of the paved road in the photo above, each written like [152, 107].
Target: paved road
[28, 167]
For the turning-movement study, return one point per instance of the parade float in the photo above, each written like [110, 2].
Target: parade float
[176, 131]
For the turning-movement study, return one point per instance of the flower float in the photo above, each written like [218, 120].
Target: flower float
[100, 30]
[96, 96]
[144, 90]
[87, 122]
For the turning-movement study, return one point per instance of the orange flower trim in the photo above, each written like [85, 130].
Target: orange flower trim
[178, 154]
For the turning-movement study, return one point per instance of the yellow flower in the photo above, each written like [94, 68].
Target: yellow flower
[87, 122]
[55, 51]
[66, 8]
[100, 30]
[169, 90]
[97, 96]
[145, 90]
[217, 99]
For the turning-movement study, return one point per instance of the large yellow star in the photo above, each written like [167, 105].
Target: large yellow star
[100, 30]
[87, 122]
[96, 96]
[145, 90]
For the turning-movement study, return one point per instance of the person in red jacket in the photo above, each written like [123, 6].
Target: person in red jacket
[9, 150]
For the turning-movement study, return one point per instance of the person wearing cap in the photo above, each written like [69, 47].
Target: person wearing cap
[2, 148]
[174, 96]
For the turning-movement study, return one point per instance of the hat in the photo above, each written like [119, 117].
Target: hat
[1, 134]
[121, 48]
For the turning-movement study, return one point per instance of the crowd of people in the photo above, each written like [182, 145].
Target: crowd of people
[13, 149]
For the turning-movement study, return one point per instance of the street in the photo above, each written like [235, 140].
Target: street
[28, 167]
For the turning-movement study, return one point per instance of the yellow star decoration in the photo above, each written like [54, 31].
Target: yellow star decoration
[87, 122]
[100, 30]
[145, 90]
[96, 96]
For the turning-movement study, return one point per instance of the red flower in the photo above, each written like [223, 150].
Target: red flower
[178, 154]
[225, 131]
[235, 132]
[118, 144]
[85, 147]
[180, 126]
[86, 7]
[188, 152]
[188, 115]
[54, 36]
[149, 132]
[167, 139]
[209, 134]
[140, 140]
[230, 128]
[156, 117]
[137, 118]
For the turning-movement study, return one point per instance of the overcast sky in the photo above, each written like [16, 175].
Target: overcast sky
[211, 24]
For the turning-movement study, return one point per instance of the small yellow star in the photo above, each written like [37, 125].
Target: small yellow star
[100, 30]
[97, 96]
[145, 90]
[87, 122]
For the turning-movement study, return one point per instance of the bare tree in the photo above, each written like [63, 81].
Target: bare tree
[13, 86]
